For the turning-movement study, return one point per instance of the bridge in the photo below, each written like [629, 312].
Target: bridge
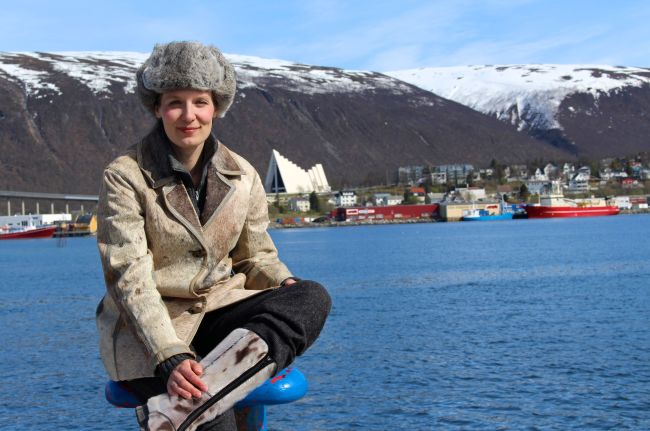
[29, 202]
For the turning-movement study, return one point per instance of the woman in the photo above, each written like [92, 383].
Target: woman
[188, 262]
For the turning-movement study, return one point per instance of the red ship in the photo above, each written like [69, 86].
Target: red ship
[556, 205]
[37, 232]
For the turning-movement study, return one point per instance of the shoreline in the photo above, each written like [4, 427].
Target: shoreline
[274, 225]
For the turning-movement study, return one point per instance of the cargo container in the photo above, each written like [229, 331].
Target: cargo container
[389, 212]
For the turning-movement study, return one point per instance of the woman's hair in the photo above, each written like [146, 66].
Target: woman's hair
[186, 65]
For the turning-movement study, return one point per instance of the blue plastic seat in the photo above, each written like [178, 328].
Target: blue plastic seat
[287, 386]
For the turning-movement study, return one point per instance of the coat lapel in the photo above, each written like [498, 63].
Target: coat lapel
[179, 204]
[219, 188]
[153, 161]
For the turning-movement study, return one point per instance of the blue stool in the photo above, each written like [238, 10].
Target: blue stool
[287, 386]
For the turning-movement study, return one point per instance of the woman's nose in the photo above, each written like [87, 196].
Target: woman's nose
[188, 113]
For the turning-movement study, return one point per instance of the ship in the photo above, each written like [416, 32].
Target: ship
[476, 214]
[506, 212]
[555, 204]
[28, 232]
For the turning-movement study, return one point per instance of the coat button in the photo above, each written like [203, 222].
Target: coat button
[198, 253]
[196, 308]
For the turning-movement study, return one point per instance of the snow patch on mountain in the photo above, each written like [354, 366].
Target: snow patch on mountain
[99, 71]
[252, 71]
[528, 96]
[33, 81]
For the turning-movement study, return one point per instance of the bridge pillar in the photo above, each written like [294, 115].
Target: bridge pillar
[51, 207]
[22, 206]
[38, 209]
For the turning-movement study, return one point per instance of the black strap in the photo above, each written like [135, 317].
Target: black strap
[263, 363]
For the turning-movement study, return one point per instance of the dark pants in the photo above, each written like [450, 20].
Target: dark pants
[288, 319]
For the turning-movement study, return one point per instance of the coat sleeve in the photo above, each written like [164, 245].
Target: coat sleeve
[255, 254]
[128, 268]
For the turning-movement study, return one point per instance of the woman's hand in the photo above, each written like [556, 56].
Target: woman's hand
[185, 380]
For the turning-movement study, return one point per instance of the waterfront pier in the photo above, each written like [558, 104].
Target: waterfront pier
[24, 203]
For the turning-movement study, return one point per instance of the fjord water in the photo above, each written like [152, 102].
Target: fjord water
[526, 324]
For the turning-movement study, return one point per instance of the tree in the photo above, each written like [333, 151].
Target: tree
[314, 202]
[524, 193]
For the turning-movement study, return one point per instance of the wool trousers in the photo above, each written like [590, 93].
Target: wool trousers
[289, 319]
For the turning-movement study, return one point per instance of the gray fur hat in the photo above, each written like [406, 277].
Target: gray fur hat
[186, 65]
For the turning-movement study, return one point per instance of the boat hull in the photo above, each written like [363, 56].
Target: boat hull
[43, 232]
[540, 211]
[487, 217]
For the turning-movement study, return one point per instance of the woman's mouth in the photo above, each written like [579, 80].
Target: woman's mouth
[188, 130]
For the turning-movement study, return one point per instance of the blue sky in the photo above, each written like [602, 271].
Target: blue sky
[369, 35]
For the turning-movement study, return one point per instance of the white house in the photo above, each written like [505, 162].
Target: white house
[384, 199]
[299, 204]
[579, 182]
[609, 174]
[471, 194]
[539, 175]
[567, 170]
[551, 171]
[345, 198]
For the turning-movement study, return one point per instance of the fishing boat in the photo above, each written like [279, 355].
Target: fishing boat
[506, 212]
[476, 214]
[555, 204]
[27, 232]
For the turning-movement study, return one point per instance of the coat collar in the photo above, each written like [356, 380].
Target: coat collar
[153, 158]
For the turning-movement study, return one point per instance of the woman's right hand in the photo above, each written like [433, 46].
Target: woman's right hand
[185, 380]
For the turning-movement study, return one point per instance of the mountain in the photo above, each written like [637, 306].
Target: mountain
[591, 111]
[63, 116]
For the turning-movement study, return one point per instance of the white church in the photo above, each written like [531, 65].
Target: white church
[284, 176]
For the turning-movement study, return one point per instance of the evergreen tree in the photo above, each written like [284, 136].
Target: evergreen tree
[524, 193]
[314, 202]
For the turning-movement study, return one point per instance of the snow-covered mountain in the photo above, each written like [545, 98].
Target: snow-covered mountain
[100, 71]
[530, 97]
[64, 115]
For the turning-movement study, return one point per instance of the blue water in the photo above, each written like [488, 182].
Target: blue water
[526, 324]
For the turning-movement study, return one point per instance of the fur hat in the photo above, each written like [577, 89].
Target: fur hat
[186, 65]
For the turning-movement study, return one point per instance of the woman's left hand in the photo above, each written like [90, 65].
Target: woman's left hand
[185, 380]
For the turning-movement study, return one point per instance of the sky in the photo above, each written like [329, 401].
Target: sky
[374, 35]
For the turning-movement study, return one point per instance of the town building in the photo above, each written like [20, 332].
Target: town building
[410, 174]
[418, 193]
[551, 171]
[454, 173]
[299, 204]
[389, 212]
[34, 220]
[579, 181]
[567, 170]
[439, 177]
[471, 194]
[345, 198]
[384, 199]
[538, 187]
[284, 176]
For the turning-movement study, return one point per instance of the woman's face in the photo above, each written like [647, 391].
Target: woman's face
[187, 117]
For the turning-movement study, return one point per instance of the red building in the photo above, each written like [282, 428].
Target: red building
[389, 212]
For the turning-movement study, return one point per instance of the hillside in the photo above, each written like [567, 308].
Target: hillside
[591, 111]
[63, 116]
